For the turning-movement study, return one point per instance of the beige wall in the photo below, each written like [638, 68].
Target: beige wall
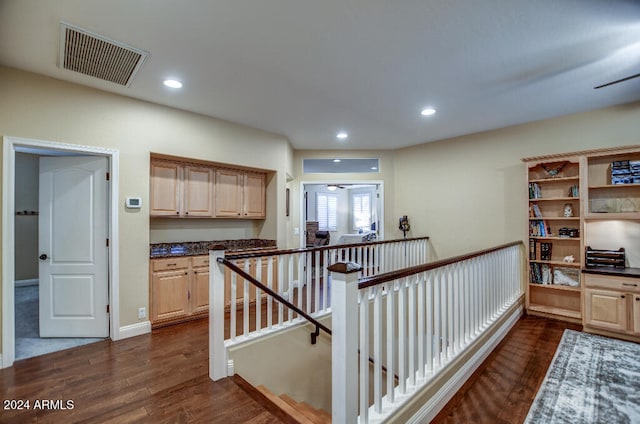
[42, 108]
[469, 193]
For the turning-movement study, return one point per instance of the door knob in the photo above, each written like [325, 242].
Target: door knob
[43, 257]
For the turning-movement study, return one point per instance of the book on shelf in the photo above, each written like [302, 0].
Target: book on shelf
[540, 274]
[532, 249]
[574, 191]
[545, 251]
[536, 210]
[539, 228]
[534, 191]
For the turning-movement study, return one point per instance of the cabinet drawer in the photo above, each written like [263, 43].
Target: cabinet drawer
[169, 264]
[200, 261]
[612, 282]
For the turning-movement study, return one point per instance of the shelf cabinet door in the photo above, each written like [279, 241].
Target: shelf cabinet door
[200, 291]
[606, 309]
[198, 191]
[170, 295]
[254, 203]
[636, 314]
[166, 188]
[229, 185]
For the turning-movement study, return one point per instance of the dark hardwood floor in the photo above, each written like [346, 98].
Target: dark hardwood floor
[162, 377]
[503, 388]
[157, 378]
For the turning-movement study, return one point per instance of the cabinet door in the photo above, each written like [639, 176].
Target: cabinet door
[166, 188]
[606, 309]
[636, 313]
[198, 191]
[200, 290]
[254, 205]
[170, 295]
[229, 184]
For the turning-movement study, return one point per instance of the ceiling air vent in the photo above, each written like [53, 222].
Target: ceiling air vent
[91, 54]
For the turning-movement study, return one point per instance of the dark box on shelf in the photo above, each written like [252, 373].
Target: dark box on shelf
[599, 258]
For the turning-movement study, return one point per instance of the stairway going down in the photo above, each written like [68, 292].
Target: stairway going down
[301, 412]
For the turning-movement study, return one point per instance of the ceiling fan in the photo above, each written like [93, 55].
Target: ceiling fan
[617, 81]
[332, 187]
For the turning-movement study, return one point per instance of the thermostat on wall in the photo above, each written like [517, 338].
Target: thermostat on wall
[134, 202]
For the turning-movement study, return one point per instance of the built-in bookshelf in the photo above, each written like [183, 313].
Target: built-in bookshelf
[555, 245]
[584, 220]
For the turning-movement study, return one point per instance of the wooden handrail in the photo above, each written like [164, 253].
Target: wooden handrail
[276, 296]
[406, 272]
[264, 252]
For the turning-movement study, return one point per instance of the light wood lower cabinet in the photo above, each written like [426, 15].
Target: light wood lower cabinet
[606, 309]
[200, 287]
[612, 303]
[179, 289]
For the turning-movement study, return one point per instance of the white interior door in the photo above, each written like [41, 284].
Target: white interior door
[73, 233]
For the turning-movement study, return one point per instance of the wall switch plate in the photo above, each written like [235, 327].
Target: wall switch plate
[142, 313]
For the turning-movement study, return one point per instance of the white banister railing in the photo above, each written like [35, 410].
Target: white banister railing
[415, 322]
[301, 276]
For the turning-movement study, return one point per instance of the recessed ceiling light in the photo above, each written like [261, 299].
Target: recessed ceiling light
[336, 160]
[373, 168]
[173, 83]
[342, 135]
[428, 111]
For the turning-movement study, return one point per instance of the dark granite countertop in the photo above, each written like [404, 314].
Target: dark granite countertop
[195, 248]
[618, 272]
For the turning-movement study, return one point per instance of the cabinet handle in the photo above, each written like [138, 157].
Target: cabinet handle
[177, 212]
[172, 264]
[188, 294]
[186, 213]
[622, 296]
[638, 299]
[630, 284]
[186, 273]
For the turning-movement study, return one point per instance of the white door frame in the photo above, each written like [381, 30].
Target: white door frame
[379, 183]
[8, 235]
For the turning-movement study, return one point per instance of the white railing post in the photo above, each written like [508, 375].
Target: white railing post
[344, 342]
[217, 351]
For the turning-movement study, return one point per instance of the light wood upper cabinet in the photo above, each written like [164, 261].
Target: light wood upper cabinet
[183, 189]
[240, 194]
[166, 188]
[198, 191]
[229, 184]
[254, 204]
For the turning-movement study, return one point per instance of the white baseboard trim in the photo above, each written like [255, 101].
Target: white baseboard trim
[431, 408]
[25, 283]
[134, 330]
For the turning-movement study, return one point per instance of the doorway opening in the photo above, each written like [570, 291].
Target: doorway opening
[342, 212]
[21, 256]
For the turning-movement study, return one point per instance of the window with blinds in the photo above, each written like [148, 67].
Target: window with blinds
[361, 210]
[327, 211]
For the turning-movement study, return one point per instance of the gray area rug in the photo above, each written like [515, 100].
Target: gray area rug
[592, 379]
[28, 341]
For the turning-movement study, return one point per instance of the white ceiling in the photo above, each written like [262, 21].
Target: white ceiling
[307, 69]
